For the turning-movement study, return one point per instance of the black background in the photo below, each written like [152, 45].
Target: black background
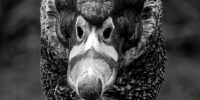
[20, 50]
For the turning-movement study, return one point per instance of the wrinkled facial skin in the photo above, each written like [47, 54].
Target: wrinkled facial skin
[93, 57]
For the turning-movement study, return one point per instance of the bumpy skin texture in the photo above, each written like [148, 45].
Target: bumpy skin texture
[141, 71]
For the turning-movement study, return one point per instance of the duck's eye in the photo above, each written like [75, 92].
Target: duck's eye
[107, 33]
[79, 31]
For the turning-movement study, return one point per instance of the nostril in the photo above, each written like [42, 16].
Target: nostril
[79, 32]
[107, 33]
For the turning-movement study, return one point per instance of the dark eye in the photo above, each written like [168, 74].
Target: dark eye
[79, 32]
[107, 32]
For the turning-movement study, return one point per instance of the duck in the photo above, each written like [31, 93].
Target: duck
[102, 49]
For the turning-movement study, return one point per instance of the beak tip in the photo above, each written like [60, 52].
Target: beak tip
[90, 88]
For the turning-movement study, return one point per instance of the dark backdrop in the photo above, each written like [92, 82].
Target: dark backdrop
[20, 43]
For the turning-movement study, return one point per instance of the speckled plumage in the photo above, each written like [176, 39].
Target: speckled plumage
[141, 73]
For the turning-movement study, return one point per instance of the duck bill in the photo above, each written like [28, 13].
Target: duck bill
[91, 74]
